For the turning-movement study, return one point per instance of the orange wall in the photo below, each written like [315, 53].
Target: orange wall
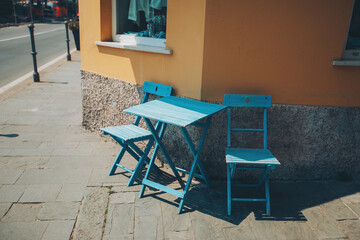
[278, 47]
[185, 35]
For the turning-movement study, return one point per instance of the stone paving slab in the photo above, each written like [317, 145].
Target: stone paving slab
[337, 210]
[40, 193]
[71, 193]
[122, 197]
[30, 152]
[179, 235]
[70, 162]
[55, 176]
[4, 208]
[9, 176]
[120, 221]
[59, 211]
[91, 217]
[355, 207]
[11, 193]
[23, 213]
[148, 206]
[4, 152]
[321, 224]
[205, 227]
[122, 187]
[242, 232]
[148, 227]
[21, 145]
[59, 230]
[59, 144]
[22, 230]
[100, 176]
[71, 152]
[351, 228]
[172, 222]
[351, 198]
[297, 230]
[18, 162]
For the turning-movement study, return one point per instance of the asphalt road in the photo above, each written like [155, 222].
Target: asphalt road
[15, 48]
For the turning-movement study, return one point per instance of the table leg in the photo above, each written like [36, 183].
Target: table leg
[198, 151]
[141, 153]
[196, 158]
[163, 150]
[151, 163]
[144, 156]
[137, 154]
[129, 150]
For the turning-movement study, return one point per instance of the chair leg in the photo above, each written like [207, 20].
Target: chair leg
[232, 169]
[267, 194]
[117, 161]
[141, 163]
[264, 176]
[228, 189]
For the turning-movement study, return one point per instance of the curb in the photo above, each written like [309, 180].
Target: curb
[10, 87]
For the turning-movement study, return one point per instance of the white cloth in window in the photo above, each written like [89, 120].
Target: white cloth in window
[158, 4]
[140, 5]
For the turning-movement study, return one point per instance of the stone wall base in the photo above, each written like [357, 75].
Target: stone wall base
[311, 142]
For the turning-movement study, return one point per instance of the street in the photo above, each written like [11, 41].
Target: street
[15, 48]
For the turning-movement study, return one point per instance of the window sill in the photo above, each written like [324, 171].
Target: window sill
[135, 47]
[346, 63]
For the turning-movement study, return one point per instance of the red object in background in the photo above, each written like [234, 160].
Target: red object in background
[60, 12]
[36, 12]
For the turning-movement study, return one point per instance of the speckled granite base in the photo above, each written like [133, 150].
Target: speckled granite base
[311, 142]
[104, 100]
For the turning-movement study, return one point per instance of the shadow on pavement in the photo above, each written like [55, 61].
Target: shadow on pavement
[54, 82]
[9, 135]
[288, 199]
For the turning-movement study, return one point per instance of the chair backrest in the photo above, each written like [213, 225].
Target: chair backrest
[156, 89]
[243, 100]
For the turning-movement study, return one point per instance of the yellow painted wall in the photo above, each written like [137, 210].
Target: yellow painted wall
[185, 35]
[279, 47]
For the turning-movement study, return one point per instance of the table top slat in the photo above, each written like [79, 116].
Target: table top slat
[175, 110]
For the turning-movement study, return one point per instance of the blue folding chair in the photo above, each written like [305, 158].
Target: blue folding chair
[242, 158]
[128, 135]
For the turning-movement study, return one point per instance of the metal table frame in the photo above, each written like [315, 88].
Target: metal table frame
[180, 112]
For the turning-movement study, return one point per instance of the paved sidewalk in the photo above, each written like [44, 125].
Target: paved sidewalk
[54, 184]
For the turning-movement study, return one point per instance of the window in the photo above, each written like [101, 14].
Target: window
[139, 22]
[352, 44]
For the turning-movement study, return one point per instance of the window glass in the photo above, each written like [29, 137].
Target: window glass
[141, 18]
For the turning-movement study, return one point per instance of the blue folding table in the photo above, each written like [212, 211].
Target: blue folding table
[180, 112]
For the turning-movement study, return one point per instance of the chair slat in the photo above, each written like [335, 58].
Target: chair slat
[127, 132]
[250, 156]
[157, 89]
[247, 130]
[243, 100]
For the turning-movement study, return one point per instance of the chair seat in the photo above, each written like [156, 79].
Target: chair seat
[128, 132]
[250, 156]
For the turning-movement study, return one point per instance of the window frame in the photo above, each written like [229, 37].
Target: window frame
[132, 39]
[351, 54]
